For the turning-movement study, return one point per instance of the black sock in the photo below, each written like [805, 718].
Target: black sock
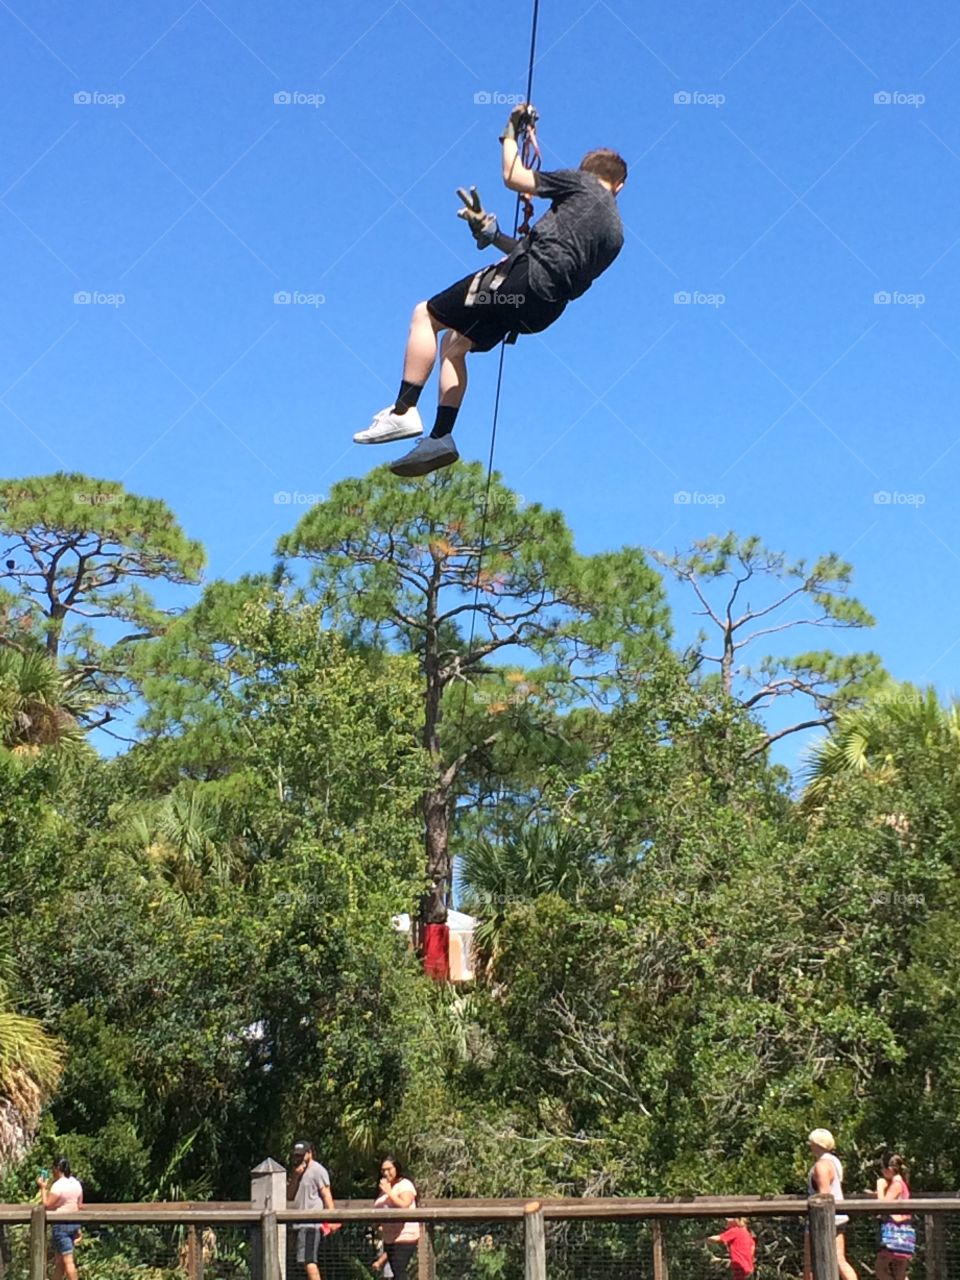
[408, 397]
[446, 417]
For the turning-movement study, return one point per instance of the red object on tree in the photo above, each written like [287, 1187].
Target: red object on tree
[436, 952]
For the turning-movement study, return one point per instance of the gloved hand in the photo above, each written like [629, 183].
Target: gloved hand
[483, 225]
[521, 116]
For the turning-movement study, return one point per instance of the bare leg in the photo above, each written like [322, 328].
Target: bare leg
[69, 1266]
[421, 349]
[453, 369]
[807, 1263]
[882, 1266]
[846, 1271]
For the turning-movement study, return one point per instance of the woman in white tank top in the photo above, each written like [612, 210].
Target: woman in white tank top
[826, 1179]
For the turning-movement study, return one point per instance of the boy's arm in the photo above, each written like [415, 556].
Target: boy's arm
[516, 177]
[505, 243]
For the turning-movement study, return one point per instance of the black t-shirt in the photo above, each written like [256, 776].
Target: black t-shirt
[576, 239]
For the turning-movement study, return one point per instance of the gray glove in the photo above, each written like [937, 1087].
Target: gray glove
[483, 225]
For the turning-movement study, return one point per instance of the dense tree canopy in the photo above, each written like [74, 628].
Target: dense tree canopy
[686, 959]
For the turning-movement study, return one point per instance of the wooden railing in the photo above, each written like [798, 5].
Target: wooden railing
[269, 1223]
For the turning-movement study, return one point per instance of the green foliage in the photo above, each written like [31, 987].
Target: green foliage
[75, 550]
[683, 967]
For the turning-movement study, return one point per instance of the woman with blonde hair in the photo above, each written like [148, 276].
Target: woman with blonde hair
[826, 1179]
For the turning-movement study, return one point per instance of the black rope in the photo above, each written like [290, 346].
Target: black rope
[496, 404]
[503, 348]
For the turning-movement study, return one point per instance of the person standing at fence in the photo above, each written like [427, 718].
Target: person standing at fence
[826, 1179]
[400, 1239]
[309, 1189]
[898, 1238]
[63, 1199]
[741, 1246]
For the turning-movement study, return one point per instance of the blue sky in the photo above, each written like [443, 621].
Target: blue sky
[790, 163]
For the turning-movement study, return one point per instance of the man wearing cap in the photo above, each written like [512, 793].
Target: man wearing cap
[309, 1189]
[826, 1179]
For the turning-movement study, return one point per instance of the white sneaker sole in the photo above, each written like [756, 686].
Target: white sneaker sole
[385, 435]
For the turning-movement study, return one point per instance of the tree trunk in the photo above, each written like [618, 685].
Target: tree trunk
[436, 816]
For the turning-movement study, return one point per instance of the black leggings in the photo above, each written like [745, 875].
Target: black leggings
[399, 1255]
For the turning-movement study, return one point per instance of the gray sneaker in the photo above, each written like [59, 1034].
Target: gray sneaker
[429, 455]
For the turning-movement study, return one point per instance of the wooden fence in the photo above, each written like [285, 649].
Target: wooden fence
[267, 1215]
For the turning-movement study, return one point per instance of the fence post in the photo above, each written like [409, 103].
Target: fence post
[822, 1217]
[426, 1257]
[270, 1245]
[936, 1250]
[660, 1271]
[534, 1242]
[194, 1254]
[38, 1243]
[268, 1190]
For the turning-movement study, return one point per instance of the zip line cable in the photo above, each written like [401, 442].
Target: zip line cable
[503, 347]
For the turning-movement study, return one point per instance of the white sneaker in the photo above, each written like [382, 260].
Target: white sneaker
[388, 425]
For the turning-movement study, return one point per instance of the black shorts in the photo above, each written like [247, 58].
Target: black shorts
[494, 313]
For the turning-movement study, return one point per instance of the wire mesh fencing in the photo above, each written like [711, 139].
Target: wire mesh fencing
[588, 1249]
[14, 1250]
[486, 1250]
[591, 1250]
[573, 1240]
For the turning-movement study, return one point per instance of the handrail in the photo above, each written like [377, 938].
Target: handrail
[557, 1209]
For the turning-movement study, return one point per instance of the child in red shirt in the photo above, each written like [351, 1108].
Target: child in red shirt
[741, 1245]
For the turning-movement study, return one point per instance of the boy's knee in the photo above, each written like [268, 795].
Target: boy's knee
[455, 345]
[420, 313]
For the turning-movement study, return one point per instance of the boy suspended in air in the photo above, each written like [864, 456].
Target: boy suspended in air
[564, 252]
